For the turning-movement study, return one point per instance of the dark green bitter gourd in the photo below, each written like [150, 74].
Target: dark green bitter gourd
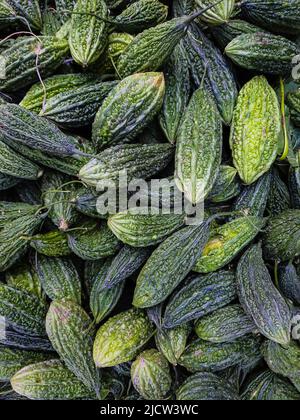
[226, 186]
[294, 187]
[51, 244]
[279, 197]
[289, 282]
[29, 12]
[7, 182]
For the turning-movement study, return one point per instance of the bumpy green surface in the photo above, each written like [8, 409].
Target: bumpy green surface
[279, 196]
[172, 342]
[289, 282]
[293, 101]
[226, 185]
[218, 14]
[23, 277]
[51, 244]
[10, 211]
[62, 6]
[7, 182]
[30, 10]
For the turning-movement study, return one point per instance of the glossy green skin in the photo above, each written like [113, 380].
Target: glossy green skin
[121, 338]
[200, 355]
[7, 182]
[150, 375]
[93, 241]
[88, 35]
[274, 15]
[151, 48]
[226, 185]
[172, 342]
[12, 360]
[199, 147]
[227, 241]
[279, 197]
[78, 107]
[260, 298]
[140, 161]
[267, 386]
[206, 386]
[289, 282]
[70, 331]
[219, 14]
[23, 277]
[293, 102]
[15, 165]
[294, 186]
[51, 244]
[200, 297]
[55, 85]
[207, 63]
[128, 109]
[224, 325]
[141, 15]
[169, 264]
[22, 72]
[142, 230]
[23, 309]
[282, 237]
[49, 381]
[10, 211]
[178, 89]
[30, 10]
[59, 278]
[263, 52]
[255, 130]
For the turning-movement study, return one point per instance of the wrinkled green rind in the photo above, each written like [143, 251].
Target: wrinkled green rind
[226, 186]
[51, 244]
[29, 10]
[172, 342]
[22, 276]
[222, 12]
[289, 282]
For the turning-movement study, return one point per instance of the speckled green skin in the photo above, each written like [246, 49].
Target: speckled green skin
[226, 185]
[279, 196]
[263, 52]
[21, 60]
[7, 182]
[141, 230]
[51, 23]
[13, 164]
[199, 147]
[23, 309]
[178, 89]
[293, 102]
[10, 211]
[260, 299]
[274, 15]
[150, 375]
[70, 331]
[86, 203]
[128, 109]
[49, 381]
[282, 237]
[224, 325]
[227, 241]
[172, 342]
[152, 47]
[255, 130]
[30, 10]
[121, 338]
[140, 161]
[117, 43]
[23, 277]
[219, 14]
[12, 360]
[201, 355]
[63, 5]
[61, 83]
[200, 296]
[51, 244]
[267, 386]
[7, 14]
[206, 386]
[88, 35]
[141, 15]
[169, 264]
[294, 187]
[59, 278]
[93, 241]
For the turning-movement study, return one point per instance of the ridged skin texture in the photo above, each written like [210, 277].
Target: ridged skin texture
[138, 160]
[128, 109]
[70, 331]
[267, 386]
[227, 241]
[51, 244]
[169, 264]
[59, 278]
[49, 381]
[293, 102]
[88, 35]
[260, 298]
[16, 339]
[141, 15]
[150, 375]
[22, 72]
[7, 14]
[289, 282]
[7, 182]
[201, 355]
[23, 309]
[255, 130]
[209, 66]
[93, 242]
[199, 147]
[224, 325]
[206, 386]
[279, 197]
[178, 90]
[226, 186]
[274, 15]
[282, 237]
[23, 277]
[30, 10]
[201, 296]
[10, 211]
[142, 230]
[121, 338]
[172, 342]
[117, 43]
[263, 52]
[63, 5]
[220, 13]
[226, 32]
[294, 186]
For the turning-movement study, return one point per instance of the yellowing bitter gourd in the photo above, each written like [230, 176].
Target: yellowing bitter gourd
[255, 130]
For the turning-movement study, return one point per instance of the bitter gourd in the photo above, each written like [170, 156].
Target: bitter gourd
[294, 187]
[7, 182]
[172, 342]
[279, 198]
[51, 244]
[28, 11]
[24, 277]
[226, 185]
[289, 282]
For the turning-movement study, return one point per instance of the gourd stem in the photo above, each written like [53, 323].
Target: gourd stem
[283, 118]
